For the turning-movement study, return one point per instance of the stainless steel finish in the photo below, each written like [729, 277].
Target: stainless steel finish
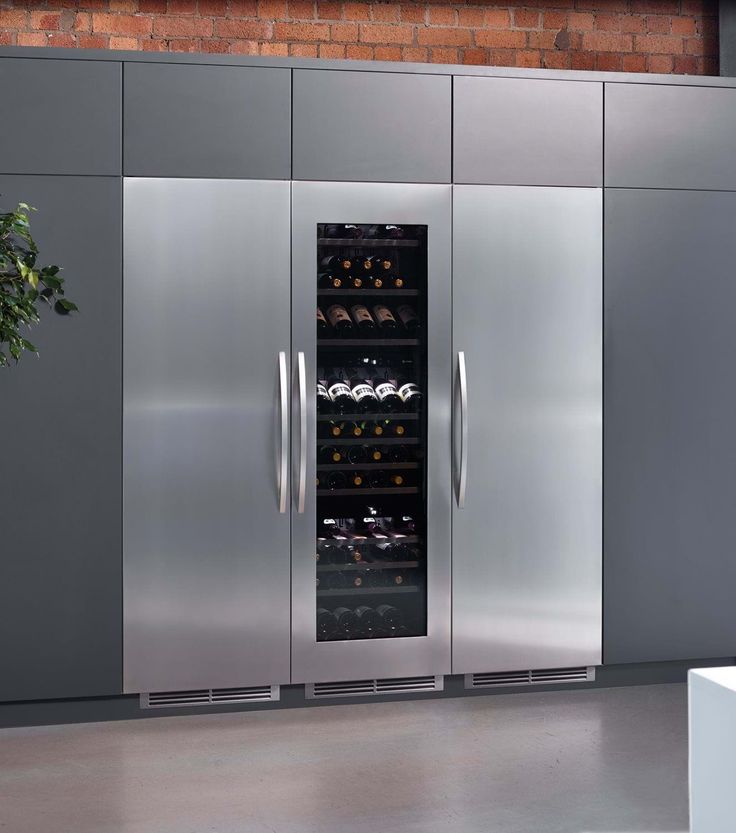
[527, 312]
[366, 688]
[206, 551]
[524, 131]
[210, 697]
[314, 202]
[462, 480]
[302, 477]
[551, 676]
[283, 466]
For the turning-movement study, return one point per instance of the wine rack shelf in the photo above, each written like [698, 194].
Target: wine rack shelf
[365, 541]
[366, 565]
[367, 591]
[397, 416]
[391, 292]
[364, 466]
[334, 343]
[368, 243]
[393, 490]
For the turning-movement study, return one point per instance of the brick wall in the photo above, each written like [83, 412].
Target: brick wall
[631, 35]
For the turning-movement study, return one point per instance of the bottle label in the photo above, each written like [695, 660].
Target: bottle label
[385, 389]
[382, 313]
[322, 391]
[361, 390]
[407, 391]
[338, 389]
[337, 313]
[360, 313]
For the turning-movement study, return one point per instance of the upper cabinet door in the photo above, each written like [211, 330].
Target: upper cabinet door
[65, 117]
[670, 137]
[372, 126]
[512, 131]
[207, 121]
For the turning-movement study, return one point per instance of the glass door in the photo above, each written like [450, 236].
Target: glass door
[371, 546]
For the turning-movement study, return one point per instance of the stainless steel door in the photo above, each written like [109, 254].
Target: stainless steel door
[206, 353]
[527, 301]
[430, 205]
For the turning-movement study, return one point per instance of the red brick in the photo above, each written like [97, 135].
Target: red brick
[347, 32]
[500, 39]
[415, 54]
[356, 11]
[475, 57]
[358, 52]
[10, 19]
[665, 44]
[502, 58]
[328, 10]
[387, 53]
[443, 37]
[92, 41]
[386, 12]
[243, 8]
[660, 63]
[556, 60]
[606, 42]
[497, 19]
[470, 17]
[271, 48]
[301, 9]
[244, 47]
[658, 24]
[212, 8]
[332, 50]
[154, 45]
[608, 62]
[215, 46]
[685, 64]
[272, 9]
[608, 22]
[582, 60]
[555, 20]
[7, 38]
[62, 40]
[415, 13]
[633, 24]
[443, 55]
[121, 24]
[185, 45]
[171, 26]
[246, 29]
[610, 6]
[381, 33]
[528, 58]
[584, 21]
[82, 22]
[32, 39]
[694, 46]
[541, 40]
[656, 6]
[303, 50]
[123, 43]
[525, 19]
[441, 15]
[122, 6]
[301, 31]
[694, 7]
[634, 63]
[151, 6]
[45, 20]
[181, 6]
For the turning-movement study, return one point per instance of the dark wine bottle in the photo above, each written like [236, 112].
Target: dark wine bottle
[339, 392]
[375, 455]
[326, 280]
[384, 318]
[338, 316]
[357, 454]
[408, 318]
[336, 480]
[377, 479]
[324, 403]
[375, 264]
[374, 281]
[329, 454]
[363, 320]
[356, 480]
[391, 617]
[410, 394]
[346, 620]
[368, 620]
[363, 394]
[387, 395]
[340, 230]
[336, 262]
[334, 580]
[326, 624]
[355, 281]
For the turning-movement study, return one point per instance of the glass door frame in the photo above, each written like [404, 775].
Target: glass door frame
[371, 203]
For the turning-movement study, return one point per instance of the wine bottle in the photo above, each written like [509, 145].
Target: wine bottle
[394, 232]
[348, 555]
[408, 318]
[329, 454]
[358, 579]
[374, 281]
[398, 454]
[338, 316]
[363, 394]
[324, 403]
[375, 264]
[334, 580]
[323, 327]
[377, 479]
[356, 480]
[363, 320]
[339, 230]
[336, 262]
[386, 394]
[357, 454]
[396, 281]
[395, 427]
[355, 429]
[336, 480]
[384, 318]
[326, 624]
[410, 394]
[346, 620]
[375, 455]
[391, 617]
[355, 282]
[368, 620]
[328, 553]
[339, 392]
[326, 280]
[396, 479]
[375, 428]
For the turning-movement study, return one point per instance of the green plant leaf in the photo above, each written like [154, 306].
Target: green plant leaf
[63, 306]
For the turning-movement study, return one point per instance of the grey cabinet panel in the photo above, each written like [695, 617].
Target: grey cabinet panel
[207, 121]
[670, 137]
[372, 126]
[670, 408]
[513, 131]
[60, 571]
[527, 322]
[206, 540]
[65, 117]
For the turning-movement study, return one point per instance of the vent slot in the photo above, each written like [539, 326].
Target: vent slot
[581, 674]
[210, 697]
[363, 688]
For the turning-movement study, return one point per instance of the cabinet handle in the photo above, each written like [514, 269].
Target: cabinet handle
[302, 385]
[463, 473]
[283, 432]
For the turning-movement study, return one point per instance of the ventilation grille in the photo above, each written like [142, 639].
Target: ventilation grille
[210, 697]
[582, 674]
[363, 688]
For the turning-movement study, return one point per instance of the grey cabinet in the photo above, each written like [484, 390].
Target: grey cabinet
[205, 503]
[207, 121]
[60, 117]
[660, 136]
[372, 126]
[527, 335]
[670, 409]
[517, 131]
[60, 571]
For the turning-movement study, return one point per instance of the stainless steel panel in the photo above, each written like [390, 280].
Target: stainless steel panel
[403, 205]
[670, 409]
[527, 131]
[372, 126]
[527, 315]
[670, 137]
[206, 551]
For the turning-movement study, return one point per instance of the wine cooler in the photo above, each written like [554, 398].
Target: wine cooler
[371, 532]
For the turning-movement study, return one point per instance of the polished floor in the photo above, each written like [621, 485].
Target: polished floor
[596, 761]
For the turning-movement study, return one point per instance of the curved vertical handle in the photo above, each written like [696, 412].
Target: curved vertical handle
[302, 476]
[463, 473]
[283, 464]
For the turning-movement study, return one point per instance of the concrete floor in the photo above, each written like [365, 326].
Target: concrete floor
[593, 761]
